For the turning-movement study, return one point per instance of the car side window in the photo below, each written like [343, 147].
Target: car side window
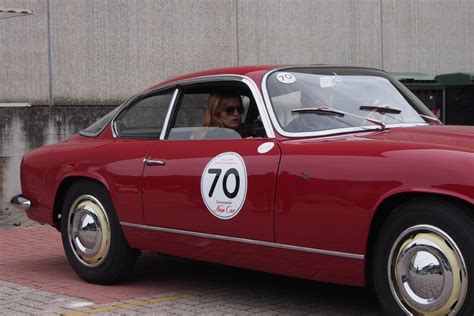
[216, 112]
[191, 110]
[144, 118]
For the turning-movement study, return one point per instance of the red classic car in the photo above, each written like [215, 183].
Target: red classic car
[331, 173]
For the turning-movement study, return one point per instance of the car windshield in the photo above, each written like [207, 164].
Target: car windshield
[321, 99]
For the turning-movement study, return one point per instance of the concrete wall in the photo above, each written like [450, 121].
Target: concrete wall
[105, 50]
[431, 36]
[24, 54]
[309, 31]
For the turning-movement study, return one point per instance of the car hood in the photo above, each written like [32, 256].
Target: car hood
[460, 138]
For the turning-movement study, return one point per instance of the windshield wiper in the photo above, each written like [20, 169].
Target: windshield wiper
[380, 108]
[319, 110]
[431, 119]
[329, 111]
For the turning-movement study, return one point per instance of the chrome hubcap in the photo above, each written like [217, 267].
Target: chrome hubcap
[89, 231]
[427, 273]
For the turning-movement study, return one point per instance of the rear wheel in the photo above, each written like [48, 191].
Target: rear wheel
[92, 238]
[423, 258]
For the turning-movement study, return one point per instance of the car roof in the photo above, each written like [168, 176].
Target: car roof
[240, 70]
[243, 71]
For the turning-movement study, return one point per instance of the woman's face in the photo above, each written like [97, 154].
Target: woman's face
[231, 114]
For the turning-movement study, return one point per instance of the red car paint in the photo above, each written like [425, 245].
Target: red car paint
[310, 192]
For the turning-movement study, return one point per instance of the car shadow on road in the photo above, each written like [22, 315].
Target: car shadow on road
[242, 286]
[34, 257]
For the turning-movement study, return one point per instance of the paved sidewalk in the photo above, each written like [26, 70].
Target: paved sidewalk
[36, 279]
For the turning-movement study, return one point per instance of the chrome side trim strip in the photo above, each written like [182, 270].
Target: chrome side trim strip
[247, 241]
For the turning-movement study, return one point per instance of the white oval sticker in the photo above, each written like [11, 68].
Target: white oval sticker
[265, 147]
[285, 77]
[224, 185]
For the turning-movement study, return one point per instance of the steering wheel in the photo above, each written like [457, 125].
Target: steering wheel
[310, 122]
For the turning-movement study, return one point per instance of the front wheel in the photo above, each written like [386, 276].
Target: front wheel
[92, 238]
[423, 258]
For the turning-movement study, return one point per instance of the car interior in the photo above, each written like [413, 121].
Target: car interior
[187, 119]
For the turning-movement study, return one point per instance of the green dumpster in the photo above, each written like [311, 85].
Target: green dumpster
[459, 78]
[426, 88]
[459, 97]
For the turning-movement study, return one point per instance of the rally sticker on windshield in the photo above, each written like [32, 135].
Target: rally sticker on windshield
[285, 77]
[326, 82]
[224, 185]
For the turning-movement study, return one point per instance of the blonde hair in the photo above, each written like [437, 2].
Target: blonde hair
[216, 103]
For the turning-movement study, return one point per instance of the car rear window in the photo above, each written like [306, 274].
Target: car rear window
[99, 125]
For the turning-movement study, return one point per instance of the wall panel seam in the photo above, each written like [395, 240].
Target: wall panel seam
[381, 34]
[237, 31]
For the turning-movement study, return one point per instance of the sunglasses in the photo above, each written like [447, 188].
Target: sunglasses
[231, 109]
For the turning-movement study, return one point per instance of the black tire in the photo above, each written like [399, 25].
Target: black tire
[415, 249]
[92, 238]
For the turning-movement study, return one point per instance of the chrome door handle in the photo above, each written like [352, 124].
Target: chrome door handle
[151, 162]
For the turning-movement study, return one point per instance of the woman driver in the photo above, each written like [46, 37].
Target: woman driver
[224, 110]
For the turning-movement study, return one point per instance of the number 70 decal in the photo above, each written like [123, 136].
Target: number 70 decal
[231, 171]
[224, 185]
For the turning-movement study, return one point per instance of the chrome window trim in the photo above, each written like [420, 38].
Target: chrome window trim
[118, 108]
[168, 114]
[112, 121]
[132, 100]
[203, 79]
[336, 131]
[248, 241]
[262, 109]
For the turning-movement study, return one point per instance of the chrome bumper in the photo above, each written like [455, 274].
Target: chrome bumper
[20, 202]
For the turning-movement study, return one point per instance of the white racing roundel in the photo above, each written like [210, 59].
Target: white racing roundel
[285, 77]
[224, 185]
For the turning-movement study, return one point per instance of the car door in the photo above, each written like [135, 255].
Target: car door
[136, 128]
[221, 186]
